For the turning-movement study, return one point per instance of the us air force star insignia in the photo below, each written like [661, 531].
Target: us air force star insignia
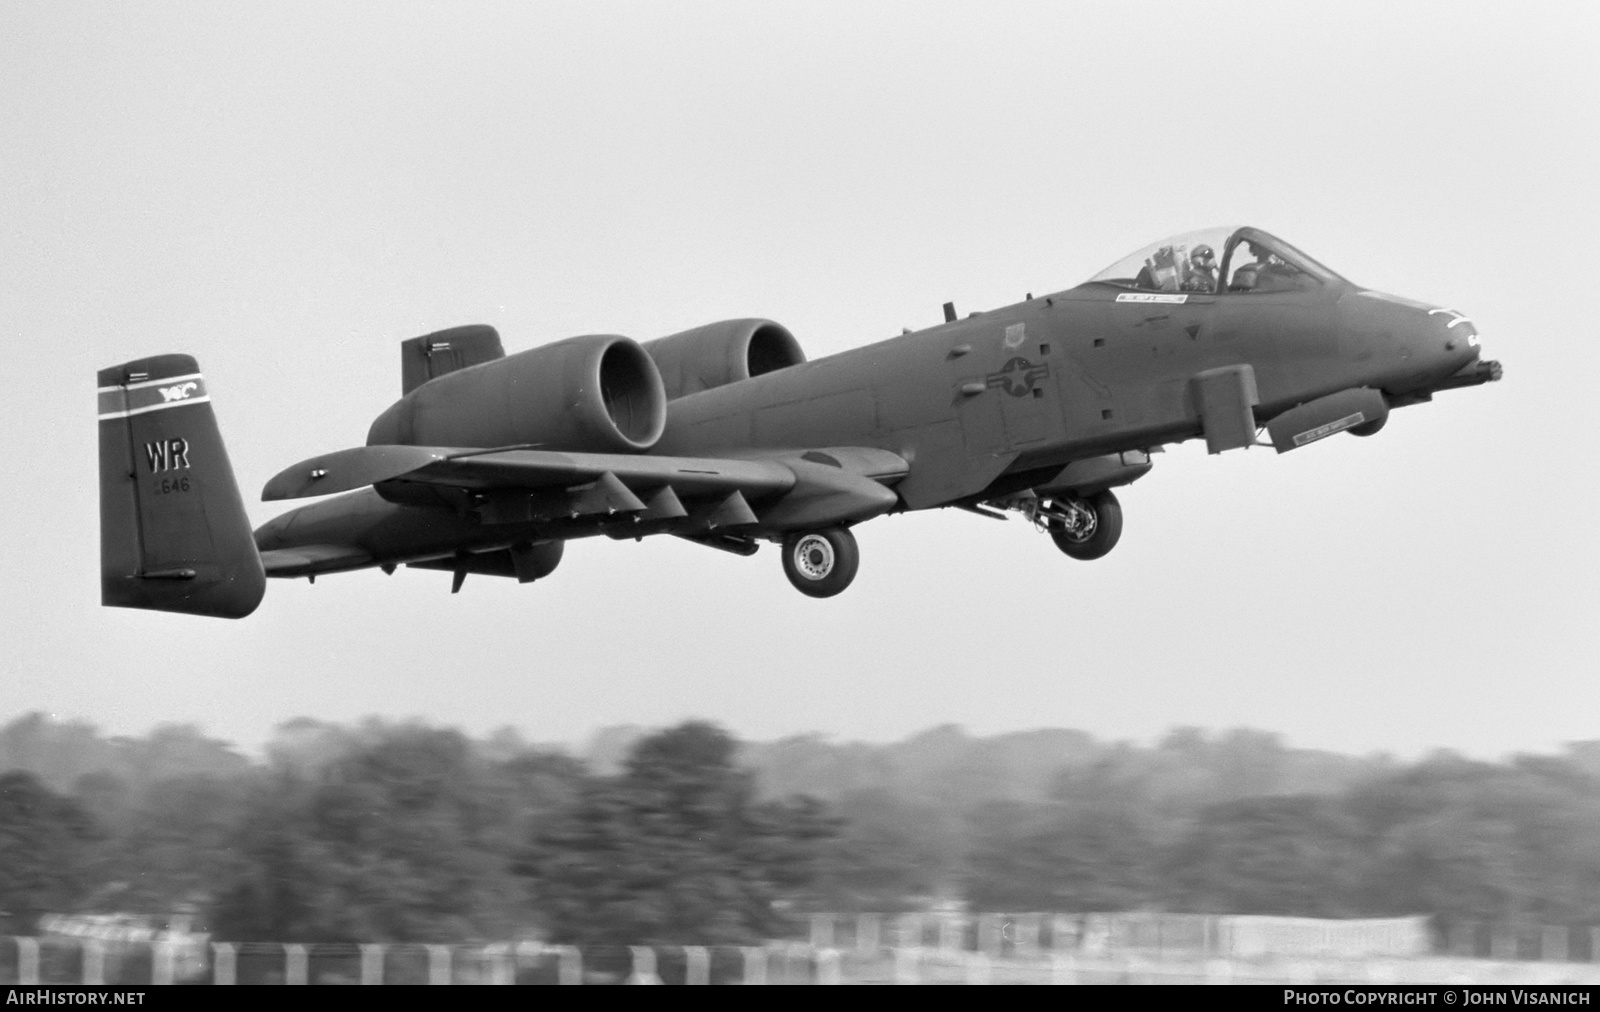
[1018, 376]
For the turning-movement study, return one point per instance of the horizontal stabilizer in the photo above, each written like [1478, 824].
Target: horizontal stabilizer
[525, 562]
[310, 560]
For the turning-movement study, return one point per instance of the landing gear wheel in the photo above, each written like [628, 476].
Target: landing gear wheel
[821, 563]
[1368, 428]
[1092, 527]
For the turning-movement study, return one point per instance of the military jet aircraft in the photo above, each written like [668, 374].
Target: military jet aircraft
[727, 436]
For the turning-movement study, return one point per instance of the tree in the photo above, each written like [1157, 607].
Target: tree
[44, 859]
[888, 852]
[405, 835]
[1088, 853]
[1484, 841]
[1290, 855]
[674, 850]
[171, 849]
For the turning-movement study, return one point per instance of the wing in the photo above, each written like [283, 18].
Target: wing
[768, 494]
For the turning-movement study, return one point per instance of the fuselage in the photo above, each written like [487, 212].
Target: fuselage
[1066, 376]
[999, 399]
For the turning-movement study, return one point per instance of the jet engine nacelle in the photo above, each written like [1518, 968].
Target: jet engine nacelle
[722, 353]
[600, 393]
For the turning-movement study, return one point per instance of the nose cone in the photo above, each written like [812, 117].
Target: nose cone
[1452, 335]
[1411, 346]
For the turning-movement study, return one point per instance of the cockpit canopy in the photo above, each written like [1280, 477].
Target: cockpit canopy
[1214, 260]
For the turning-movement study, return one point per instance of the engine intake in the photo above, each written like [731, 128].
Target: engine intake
[600, 393]
[721, 353]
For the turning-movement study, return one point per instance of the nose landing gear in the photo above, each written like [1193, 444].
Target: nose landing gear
[1085, 528]
[821, 563]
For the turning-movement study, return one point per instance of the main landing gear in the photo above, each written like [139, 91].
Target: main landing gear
[821, 563]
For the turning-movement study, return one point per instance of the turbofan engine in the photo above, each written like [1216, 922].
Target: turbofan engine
[721, 353]
[600, 393]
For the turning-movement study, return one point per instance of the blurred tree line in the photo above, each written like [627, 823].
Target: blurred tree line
[402, 832]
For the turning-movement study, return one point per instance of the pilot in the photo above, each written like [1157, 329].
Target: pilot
[1244, 278]
[1278, 275]
[1201, 273]
[1160, 271]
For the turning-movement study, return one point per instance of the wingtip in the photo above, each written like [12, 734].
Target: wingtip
[345, 470]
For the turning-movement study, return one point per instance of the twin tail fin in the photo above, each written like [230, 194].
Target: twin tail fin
[174, 535]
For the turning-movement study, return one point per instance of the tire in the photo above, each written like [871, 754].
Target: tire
[821, 563]
[1099, 532]
[1368, 428]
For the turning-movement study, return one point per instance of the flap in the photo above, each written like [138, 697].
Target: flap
[799, 488]
[483, 470]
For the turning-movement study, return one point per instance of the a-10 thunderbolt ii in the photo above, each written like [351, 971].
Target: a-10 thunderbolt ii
[725, 434]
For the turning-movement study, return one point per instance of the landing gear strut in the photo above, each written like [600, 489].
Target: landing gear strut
[1084, 528]
[821, 563]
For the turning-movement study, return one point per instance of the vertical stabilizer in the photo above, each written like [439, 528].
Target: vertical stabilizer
[443, 351]
[173, 531]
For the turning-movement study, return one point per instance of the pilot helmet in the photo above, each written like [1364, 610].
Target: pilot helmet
[1202, 252]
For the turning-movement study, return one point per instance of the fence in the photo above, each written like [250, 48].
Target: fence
[66, 961]
[870, 948]
[1027, 935]
[63, 960]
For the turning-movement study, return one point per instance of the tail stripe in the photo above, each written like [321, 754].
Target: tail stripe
[113, 415]
[155, 395]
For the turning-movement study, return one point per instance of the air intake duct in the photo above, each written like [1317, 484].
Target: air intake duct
[722, 353]
[599, 393]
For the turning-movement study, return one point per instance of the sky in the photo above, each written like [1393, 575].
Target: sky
[287, 191]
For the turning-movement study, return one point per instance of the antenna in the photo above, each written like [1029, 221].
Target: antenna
[949, 312]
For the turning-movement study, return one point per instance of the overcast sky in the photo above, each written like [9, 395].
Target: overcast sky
[287, 191]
